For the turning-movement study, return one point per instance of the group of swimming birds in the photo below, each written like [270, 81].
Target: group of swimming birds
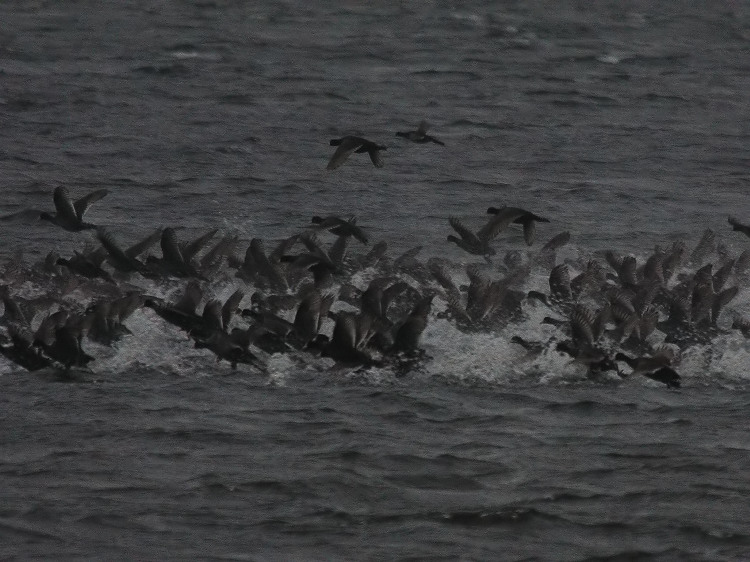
[606, 313]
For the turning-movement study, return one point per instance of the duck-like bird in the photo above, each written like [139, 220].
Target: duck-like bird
[657, 367]
[420, 135]
[348, 145]
[527, 219]
[340, 227]
[69, 215]
[479, 243]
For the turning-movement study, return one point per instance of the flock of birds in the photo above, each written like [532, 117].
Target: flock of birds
[607, 313]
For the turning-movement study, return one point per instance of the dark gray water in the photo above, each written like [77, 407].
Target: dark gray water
[625, 123]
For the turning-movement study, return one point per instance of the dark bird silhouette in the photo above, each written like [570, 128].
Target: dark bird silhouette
[657, 367]
[738, 226]
[479, 243]
[420, 135]
[407, 335]
[348, 145]
[594, 358]
[349, 340]
[87, 264]
[20, 349]
[340, 227]
[70, 215]
[526, 218]
[122, 260]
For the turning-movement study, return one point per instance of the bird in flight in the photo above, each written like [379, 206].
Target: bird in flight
[420, 135]
[348, 145]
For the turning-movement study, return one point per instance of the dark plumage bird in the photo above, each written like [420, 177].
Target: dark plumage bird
[59, 338]
[310, 315]
[20, 349]
[738, 226]
[594, 358]
[122, 260]
[525, 218]
[348, 145]
[349, 340]
[174, 261]
[70, 215]
[407, 335]
[657, 367]
[479, 243]
[229, 347]
[88, 264]
[420, 135]
[340, 227]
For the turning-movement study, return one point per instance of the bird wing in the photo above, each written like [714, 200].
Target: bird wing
[345, 331]
[734, 222]
[283, 247]
[325, 223]
[581, 321]
[422, 129]
[170, 250]
[139, 247]
[737, 225]
[212, 314]
[63, 204]
[114, 251]
[82, 205]
[230, 307]
[557, 241]
[529, 230]
[312, 243]
[375, 157]
[345, 149]
[350, 228]
[191, 297]
[463, 232]
[337, 251]
[191, 249]
[499, 222]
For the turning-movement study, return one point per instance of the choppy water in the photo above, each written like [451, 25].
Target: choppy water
[624, 123]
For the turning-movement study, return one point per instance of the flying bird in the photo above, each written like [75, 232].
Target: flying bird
[348, 145]
[527, 219]
[69, 215]
[479, 243]
[420, 135]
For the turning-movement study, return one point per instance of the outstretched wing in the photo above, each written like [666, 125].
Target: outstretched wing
[190, 249]
[64, 206]
[529, 230]
[345, 149]
[82, 205]
[170, 249]
[139, 247]
[499, 222]
[462, 231]
[375, 157]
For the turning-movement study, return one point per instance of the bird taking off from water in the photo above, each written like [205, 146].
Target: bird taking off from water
[69, 215]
